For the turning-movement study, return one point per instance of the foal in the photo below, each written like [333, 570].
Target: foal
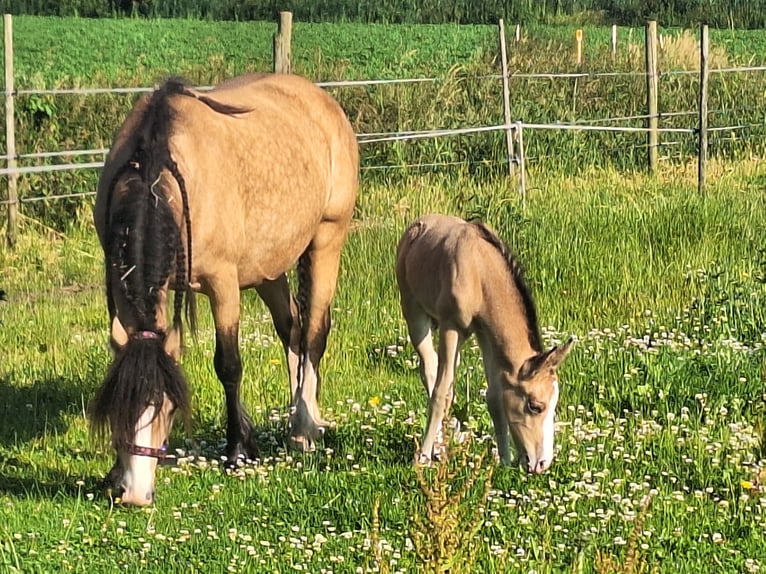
[460, 277]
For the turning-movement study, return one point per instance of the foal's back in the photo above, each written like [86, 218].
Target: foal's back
[446, 266]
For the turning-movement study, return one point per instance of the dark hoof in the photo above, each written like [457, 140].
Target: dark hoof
[241, 453]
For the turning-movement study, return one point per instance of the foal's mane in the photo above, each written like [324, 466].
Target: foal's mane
[516, 271]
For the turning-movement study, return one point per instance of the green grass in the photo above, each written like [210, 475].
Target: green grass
[662, 400]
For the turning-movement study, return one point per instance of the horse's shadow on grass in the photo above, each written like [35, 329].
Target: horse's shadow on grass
[342, 445]
[29, 412]
[23, 480]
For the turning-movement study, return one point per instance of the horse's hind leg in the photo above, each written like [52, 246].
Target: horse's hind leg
[224, 299]
[284, 313]
[317, 275]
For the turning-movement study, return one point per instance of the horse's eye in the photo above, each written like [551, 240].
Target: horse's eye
[535, 408]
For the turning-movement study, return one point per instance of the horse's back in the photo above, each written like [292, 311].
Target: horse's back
[261, 182]
[440, 266]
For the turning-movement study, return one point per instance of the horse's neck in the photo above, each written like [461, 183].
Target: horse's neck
[503, 335]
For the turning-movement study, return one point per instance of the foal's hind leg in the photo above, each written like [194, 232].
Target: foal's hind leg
[449, 343]
[223, 291]
[419, 327]
[317, 275]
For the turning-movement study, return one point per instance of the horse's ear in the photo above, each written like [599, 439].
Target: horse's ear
[172, 344]
[548, 360]
[556, 355]
[119, 335]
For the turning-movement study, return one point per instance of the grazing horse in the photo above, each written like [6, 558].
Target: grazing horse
[215, 193]
[461, 278]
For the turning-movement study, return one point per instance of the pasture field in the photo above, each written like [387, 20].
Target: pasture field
[71, 53]
[660, 462]
[117, 52]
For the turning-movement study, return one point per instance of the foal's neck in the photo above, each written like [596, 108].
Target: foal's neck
[505, 342]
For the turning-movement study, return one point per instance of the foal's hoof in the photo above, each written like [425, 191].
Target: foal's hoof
[422, 459]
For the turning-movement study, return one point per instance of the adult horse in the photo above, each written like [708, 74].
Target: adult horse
[215, 193]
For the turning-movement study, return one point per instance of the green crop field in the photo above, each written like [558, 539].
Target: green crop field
[660, 464]
[55, 53]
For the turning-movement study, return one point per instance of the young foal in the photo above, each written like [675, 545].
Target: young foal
[460, 277]
[215, 193]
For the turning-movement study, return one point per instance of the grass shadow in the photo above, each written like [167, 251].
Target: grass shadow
[348, 443]
[24, 480]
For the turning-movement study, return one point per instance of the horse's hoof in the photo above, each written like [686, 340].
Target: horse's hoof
[302, 444]
[239, 455]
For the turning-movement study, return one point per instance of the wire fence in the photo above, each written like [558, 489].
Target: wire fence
[614, 124]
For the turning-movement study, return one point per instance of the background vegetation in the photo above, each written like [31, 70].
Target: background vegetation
[718, 13]
[660, 464]
[75, 52]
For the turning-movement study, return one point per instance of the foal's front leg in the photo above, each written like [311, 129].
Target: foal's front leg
[499, 420]
[224, 298]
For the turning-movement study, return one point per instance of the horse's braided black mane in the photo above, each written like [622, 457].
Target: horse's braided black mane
[144, 244]
[517, 272]
[144, 238]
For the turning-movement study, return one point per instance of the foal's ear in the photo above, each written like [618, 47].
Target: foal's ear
[548, 360]
[556, 355]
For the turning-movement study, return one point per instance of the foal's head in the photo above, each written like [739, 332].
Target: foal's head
[529, 399]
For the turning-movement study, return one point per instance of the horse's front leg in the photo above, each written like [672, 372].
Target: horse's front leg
[224, 298]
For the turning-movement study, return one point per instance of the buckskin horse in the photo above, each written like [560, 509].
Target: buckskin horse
[461, 278]
[216, 192]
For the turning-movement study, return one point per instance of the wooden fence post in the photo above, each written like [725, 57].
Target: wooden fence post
[522, 161]
[10, 132]
[703, 110]
[506, 100]
[282, 43]
[652, 87]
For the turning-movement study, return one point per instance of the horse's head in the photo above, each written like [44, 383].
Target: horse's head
[529, 401]
[137, 403]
